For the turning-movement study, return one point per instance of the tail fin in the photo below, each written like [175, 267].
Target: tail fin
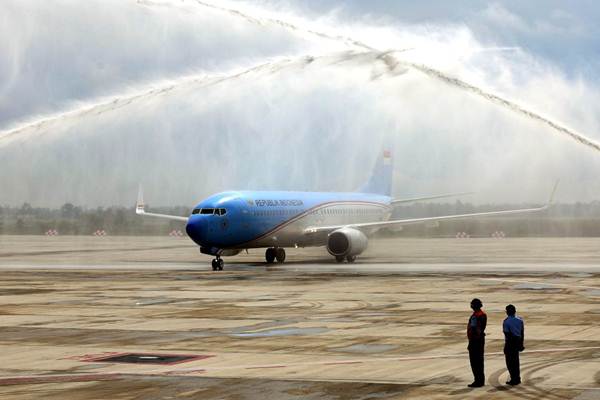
[139, 205]
[380, 181]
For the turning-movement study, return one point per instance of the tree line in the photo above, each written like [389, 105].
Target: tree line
[74, 220]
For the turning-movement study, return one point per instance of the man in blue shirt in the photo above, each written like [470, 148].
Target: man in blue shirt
[514, 336]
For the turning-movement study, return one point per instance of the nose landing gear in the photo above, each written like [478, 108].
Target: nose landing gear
[275, 253]
[217, 264]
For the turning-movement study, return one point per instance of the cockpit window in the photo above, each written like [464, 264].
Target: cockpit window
[210, 211]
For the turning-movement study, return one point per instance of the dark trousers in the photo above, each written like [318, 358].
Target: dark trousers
[511, 354]
[476, 350]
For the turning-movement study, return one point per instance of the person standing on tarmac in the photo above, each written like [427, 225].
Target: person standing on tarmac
[514, 339]
[476, 336]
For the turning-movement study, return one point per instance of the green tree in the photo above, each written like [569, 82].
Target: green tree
[69, 211]
[26, 209]
[20, 226]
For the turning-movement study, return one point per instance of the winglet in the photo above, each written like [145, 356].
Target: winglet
[139, 205]
[141, 210]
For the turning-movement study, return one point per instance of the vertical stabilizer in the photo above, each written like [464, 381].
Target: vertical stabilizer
[139, 205]
[380, 181]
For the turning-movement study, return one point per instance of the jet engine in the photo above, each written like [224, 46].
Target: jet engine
[346, 242]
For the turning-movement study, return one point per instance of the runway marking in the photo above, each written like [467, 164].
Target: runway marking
[540, 283]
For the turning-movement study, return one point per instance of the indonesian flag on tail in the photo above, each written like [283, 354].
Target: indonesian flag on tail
[387, 157]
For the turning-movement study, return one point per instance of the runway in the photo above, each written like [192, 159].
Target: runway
[75, 309]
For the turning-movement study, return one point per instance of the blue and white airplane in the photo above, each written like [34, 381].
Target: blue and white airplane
[226, 223]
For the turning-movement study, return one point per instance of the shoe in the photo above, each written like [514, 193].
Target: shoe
[475, 384]
[513, 383]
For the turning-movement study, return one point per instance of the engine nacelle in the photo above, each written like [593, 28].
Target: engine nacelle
[346, 242]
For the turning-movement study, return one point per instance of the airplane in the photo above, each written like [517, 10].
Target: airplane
[226, 223]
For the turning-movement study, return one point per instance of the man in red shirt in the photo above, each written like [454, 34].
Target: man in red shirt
[476, 336]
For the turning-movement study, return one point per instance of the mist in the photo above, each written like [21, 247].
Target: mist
[190, 98]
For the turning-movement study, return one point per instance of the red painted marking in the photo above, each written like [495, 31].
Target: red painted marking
[34, 379]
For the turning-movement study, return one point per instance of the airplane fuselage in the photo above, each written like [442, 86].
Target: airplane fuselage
[254, 219]
[228, 222]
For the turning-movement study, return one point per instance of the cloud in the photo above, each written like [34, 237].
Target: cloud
[56, 54]
[313, 116]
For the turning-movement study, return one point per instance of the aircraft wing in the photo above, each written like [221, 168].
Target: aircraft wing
[439, 196]
[412, 221]
[140, 210]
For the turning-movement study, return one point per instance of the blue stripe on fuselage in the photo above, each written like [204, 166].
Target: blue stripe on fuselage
[254, 214]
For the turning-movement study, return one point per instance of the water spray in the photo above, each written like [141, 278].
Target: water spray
[389, 57]
[431, 72]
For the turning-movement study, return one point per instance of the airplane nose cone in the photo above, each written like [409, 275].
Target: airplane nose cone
[196, 229]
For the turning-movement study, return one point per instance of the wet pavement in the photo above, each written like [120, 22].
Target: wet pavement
[389, 326]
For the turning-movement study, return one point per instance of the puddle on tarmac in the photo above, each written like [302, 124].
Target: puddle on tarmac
[150, 302]
[579, 274]
[372, 314]
[282, 332]
[366, 348]
[186, 278]
[490, 282]
[536, 286]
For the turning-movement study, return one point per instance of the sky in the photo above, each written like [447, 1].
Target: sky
[193, 97]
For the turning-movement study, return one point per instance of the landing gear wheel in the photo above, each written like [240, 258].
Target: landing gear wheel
[217, 264]
[280, 255]
[339, 259]
[351, 259]
[270, 255]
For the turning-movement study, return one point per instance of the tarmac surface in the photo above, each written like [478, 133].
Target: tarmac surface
[74, 310]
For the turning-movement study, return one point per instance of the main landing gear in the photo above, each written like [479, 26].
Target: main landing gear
[275, 253]
[217, 264]
[341, 259]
